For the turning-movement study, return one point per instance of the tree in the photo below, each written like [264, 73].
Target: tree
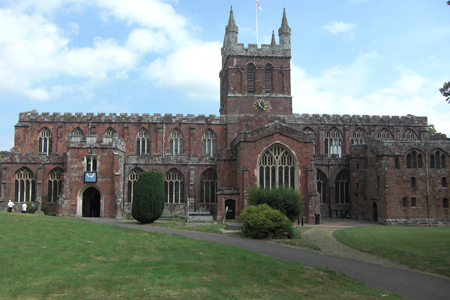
[433, 130]
[148, 197]
[285, 199]
[445, 90]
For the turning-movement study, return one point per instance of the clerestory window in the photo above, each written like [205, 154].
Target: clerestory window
[45, 141]
[176, 142]
[209, 143]
[142, 142]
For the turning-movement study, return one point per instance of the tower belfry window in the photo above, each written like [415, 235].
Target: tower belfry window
[269, 72]
[251, 78]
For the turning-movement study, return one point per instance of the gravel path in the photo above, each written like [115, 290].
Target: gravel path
[324, 239]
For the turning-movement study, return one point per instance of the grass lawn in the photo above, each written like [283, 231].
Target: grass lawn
[422, 248]
[46, 257]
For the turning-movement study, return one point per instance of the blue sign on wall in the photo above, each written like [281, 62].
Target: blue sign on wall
[90, 177]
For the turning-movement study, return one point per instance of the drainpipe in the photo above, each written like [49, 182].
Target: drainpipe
[163, 135]
[428, 188]
[329, 190]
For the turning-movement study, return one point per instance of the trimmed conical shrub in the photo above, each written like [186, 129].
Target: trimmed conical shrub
[148, 197]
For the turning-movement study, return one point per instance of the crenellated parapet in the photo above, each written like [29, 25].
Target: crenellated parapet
[357, 120]
[35, 117]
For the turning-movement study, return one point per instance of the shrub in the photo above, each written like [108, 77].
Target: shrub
[44, 208]
[31, 209]
[148, 197]
[260, 221]
[285, 199]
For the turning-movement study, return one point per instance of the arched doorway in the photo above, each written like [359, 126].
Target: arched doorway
[375, 212]
[91, 203]
[231, 204]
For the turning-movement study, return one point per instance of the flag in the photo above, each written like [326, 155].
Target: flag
[259, 6]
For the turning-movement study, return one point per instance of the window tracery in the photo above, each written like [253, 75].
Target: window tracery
[409, 135]
[333, 142]
[358, 137]
[209, 143]
[174, 186]
[176, 142]
[25, 186]
[342, 193]
[142, 142]
[110, 132]
[54, 185]
[132, 178]
[208, 186]
[321, 186]
[45, 141]
[385, 135]
[276, 167]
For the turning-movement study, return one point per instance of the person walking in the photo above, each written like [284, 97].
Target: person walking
[24, 208]
[10, 205]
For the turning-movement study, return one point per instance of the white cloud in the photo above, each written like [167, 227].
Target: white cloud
[34, 50]
[341, 27]
[409, 94]
[193, 69]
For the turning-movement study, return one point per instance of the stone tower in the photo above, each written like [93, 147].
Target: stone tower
[256, 80]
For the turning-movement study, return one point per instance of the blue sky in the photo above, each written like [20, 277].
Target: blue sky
[372, 57]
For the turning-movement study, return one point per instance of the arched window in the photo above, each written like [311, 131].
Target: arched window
[45, 141]
[414, 160]
[309, 130]
[110, 132]
[437, 158]
[251, 78]
[208, 186]
[142, 142]
[409, 135]
[132, 178]
[276, 167]
[54, 185]
[397, 163]
[176, 142]
[174, 186]
[385, 135]
[342, 193]
[321, 186]
[269, 72]
[358, 137]
[25, 186]
[78, 131]
[333, 142]
[443, 164]
[209, 143]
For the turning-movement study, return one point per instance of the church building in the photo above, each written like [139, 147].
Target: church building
[385, 169]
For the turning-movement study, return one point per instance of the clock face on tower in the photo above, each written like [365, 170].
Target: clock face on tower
[260, 106]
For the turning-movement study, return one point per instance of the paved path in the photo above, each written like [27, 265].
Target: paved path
[414, 285]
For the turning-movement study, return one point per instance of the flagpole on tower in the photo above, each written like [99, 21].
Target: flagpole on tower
[256, 9]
